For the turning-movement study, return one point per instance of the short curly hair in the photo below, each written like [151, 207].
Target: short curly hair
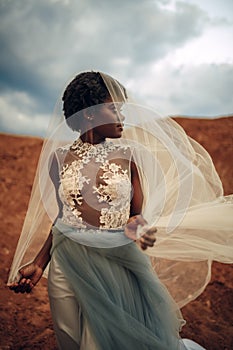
[87, 89]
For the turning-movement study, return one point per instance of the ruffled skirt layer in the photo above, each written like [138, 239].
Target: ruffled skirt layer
[122, 302]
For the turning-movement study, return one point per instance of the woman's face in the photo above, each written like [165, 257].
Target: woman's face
[108, 121]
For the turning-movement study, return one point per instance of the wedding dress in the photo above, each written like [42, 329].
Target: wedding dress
[105, 280]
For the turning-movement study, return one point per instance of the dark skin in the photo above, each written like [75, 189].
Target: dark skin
[112, 127]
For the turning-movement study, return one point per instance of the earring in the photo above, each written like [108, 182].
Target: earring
[90, 118]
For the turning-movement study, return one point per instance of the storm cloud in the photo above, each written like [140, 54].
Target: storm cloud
[45, 43]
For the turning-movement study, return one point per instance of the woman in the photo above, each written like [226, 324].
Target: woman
[102, 289]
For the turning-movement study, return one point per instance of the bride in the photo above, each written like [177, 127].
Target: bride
[126, 214]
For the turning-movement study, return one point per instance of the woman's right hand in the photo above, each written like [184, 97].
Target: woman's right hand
[30, 276]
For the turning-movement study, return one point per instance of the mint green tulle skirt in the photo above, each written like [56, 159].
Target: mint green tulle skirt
[124, 303]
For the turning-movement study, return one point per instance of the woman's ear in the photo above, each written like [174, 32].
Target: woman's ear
[88, 115]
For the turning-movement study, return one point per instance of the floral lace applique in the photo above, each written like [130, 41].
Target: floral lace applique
[115, 191]
[86, 151]
[112, 218]
[71, 184]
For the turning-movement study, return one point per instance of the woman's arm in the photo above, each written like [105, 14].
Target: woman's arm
[32, 272]
[136, 219]
[137, 196]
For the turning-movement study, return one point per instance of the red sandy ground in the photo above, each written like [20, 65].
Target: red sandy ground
[25, 319]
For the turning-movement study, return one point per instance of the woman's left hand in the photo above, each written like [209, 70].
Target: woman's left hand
[137, 229]
[148, 239]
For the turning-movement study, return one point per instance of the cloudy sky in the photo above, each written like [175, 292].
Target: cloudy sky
[176, 56]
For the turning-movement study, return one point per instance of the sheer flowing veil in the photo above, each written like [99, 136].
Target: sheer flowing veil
[183, 197]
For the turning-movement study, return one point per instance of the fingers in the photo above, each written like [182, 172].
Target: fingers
[23, 286]
[29, 276]
[151, 231]
[137, 228]
[143, 246]
[148, 239]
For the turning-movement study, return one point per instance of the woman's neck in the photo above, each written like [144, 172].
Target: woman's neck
[92, 138]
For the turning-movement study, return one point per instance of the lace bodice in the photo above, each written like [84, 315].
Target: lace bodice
[95, 185]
